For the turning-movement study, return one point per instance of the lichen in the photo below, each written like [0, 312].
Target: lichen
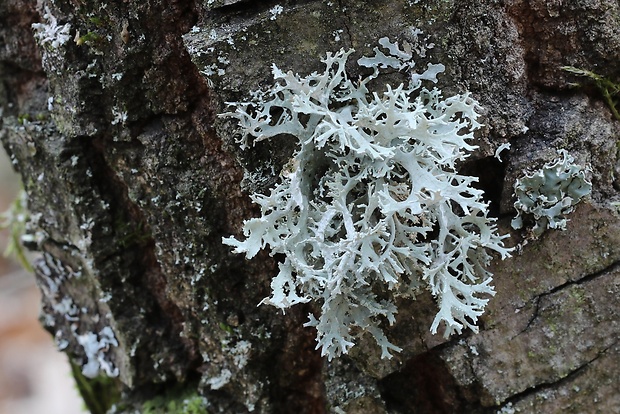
[96, 349]
[546, 196]
[52, 37]
[50, 32]
[371, 206]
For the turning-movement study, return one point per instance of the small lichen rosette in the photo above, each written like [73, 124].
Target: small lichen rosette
[371, 205]
[546, 196]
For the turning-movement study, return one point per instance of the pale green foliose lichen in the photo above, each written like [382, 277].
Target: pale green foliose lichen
[371, 206]
[547, 195]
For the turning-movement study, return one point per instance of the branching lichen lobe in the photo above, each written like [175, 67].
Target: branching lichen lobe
[372, 201]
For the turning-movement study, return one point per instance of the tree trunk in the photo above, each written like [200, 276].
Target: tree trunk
[109, 112]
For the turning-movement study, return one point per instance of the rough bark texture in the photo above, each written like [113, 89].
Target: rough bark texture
[133, 181]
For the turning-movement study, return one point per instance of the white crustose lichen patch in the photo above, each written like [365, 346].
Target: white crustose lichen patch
[371, 206]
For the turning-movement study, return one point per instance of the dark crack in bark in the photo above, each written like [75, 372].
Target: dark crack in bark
[541, 387]
[536, 300]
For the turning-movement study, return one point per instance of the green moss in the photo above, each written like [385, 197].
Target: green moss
[23, 118]
[90, 37]
[130, 234]
[35, 119]
[97, 21]
[99, 394]
[186, 401]
[227, 328]
[609, 89]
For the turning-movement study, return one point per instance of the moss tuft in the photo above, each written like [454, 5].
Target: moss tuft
[186, 401]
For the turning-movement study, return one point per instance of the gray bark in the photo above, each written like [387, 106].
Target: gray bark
[132, 182]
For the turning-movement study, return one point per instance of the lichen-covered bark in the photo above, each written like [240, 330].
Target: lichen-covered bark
[133, 180]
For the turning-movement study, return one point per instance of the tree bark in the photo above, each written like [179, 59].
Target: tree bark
[109, 112]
